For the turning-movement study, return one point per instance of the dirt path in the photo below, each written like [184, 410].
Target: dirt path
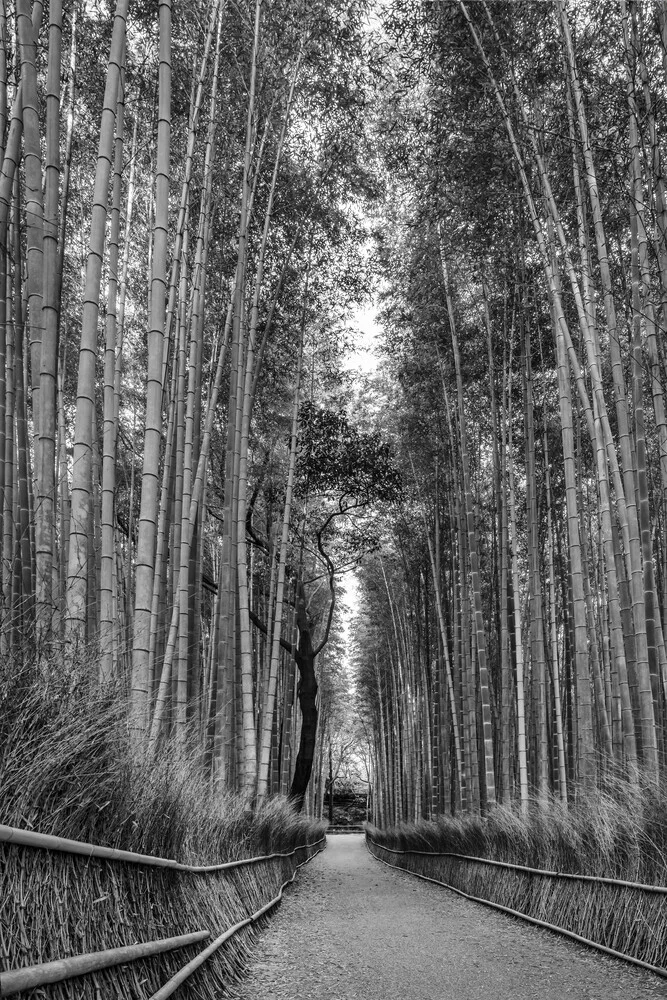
[352, 928]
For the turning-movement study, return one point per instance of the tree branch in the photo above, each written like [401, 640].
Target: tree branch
[332, 590]
[290, 647]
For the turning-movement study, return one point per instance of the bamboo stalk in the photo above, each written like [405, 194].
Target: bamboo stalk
[8, 459]
[647, 666]
[489, 775]
[81, 500]
[147, 527]
[553, 627]
[108, 631]
[518, 642]
[23, 589]
[186, 543]
[45, 458]
[266, 718]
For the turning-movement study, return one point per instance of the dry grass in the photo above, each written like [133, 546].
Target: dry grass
[67, 768]
[621, 832]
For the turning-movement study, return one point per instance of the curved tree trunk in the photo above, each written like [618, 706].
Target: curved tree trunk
[304, 655]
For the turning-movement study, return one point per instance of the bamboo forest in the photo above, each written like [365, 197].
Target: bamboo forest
[333, 433]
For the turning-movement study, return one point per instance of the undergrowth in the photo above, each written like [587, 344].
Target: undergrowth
[619, 832]
[68, 767]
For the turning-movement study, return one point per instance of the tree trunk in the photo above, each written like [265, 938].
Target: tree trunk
[306, 691]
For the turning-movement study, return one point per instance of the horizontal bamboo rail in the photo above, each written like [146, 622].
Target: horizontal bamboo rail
[46, 841]
[656, 969]
[659, 889]
[17, 980]
[172, 984]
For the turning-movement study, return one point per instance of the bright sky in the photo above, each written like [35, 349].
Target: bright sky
[362, 358]
[351, 603]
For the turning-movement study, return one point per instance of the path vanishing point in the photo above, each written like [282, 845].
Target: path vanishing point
[352, 929]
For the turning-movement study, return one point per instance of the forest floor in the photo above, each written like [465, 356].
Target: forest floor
[352, 928]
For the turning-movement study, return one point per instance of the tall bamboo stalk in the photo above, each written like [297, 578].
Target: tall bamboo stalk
[474, 558]
[108, 619]
[147, 527]
[81, 494]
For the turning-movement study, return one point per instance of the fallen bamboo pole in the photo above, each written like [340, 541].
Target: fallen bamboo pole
[78, 965]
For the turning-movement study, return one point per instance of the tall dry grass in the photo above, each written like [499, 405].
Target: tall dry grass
[68, 767]
[620, 832]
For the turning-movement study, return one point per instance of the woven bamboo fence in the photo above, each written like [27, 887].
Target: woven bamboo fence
[626, 919]
[60, 902]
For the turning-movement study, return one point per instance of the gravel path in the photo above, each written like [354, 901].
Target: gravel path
[352, 928]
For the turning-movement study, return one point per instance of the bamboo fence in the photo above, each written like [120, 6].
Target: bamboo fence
[621, 918]
[68, 902]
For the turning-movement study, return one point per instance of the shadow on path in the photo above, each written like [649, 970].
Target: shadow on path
[352, 928]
